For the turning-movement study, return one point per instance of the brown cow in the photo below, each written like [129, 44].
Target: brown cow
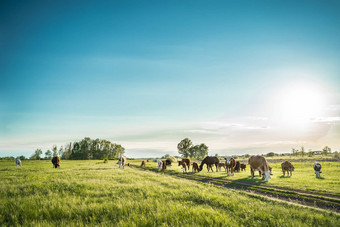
[220, 165]
[186, 160]
[237, 166]
[270, 171]
[195, 167]
[287, 166]
[184, 166]
[56, 162]
[143, 164]
[230, 165]
[259, 163]
[243, 167]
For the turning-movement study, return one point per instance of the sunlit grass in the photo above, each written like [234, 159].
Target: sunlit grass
[91, 192]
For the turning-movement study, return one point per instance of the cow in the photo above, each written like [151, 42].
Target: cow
[209, 161]
[18, 162]
[163, 165]
[186, 160]
[122, 162]
[143, 164]
[270, 171]
[56, 162]
[221, 164]
[128, 164]
[237, 166]
[168, 162]
[184, 167]
[160, 165]
[317, 169]
[259, 163]
[195, 167]
[287, 166]
[230, 165]
[147, 160]
[243, 167]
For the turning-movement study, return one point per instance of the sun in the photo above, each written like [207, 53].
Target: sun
[301, 102]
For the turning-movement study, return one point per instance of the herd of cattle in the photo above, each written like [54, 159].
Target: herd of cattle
[256, 163]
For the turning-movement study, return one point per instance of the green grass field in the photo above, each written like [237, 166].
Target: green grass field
[94, 193]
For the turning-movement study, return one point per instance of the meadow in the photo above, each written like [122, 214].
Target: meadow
[97, 193]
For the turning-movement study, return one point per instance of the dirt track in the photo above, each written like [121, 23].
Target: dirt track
[316, 200]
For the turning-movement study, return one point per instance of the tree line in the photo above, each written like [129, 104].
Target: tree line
[187, 149]
[85, 149]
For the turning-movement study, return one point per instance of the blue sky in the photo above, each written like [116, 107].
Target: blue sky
[147, 74]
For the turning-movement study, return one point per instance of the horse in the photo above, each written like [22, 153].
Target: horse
[209, 161]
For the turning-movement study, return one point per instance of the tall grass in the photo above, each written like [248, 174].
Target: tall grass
[97, 193]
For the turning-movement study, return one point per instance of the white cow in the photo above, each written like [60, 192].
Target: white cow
[18, 162]
[160, 164]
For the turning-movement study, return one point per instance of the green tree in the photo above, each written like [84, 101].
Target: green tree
[184, 147]
[54, 150]
[48, 154]
[36, 154]
[302, 152]
[202, 151]
[326, 150]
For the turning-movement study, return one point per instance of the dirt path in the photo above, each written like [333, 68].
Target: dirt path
[316, 200]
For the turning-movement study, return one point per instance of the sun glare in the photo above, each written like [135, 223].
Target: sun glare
[301, 102]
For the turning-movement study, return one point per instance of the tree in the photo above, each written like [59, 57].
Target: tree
[302, 152]
[184, 147]
[270, 154]
[326, 150]
[61, 151]
[55, 150]
[48, 154]
[202, 151]
[36, 154]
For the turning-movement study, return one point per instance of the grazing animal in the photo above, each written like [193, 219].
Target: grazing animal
[186, 160]
[128, 164]
[243, 167]
[143, 164]
[222, 164]
[160, 165]
[147, 160]
[270, 171]
[230, 165]
[18, 162]
[287, 166]
[259, 163]
[237, 166]
[209, 161]
[317, 169]
[122, 162]
[195, 167]
[184, 166]
[168, 162]
[164, 165]
[56, 162]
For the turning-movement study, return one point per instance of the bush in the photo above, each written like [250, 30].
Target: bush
[106, 160]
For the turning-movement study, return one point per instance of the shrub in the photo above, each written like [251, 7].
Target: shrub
[106, 160]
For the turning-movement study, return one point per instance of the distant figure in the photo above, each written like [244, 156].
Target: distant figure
[18, 162]
[259, 163]
[56, 162]
[128, 164]
[143, 164]
[195, 167]
[122, 162]
[186, 160]
[237, 166]
[243, 167]
[209, 161]
[147, 160]
[287, 166]
[317, 169]
[230, 165]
